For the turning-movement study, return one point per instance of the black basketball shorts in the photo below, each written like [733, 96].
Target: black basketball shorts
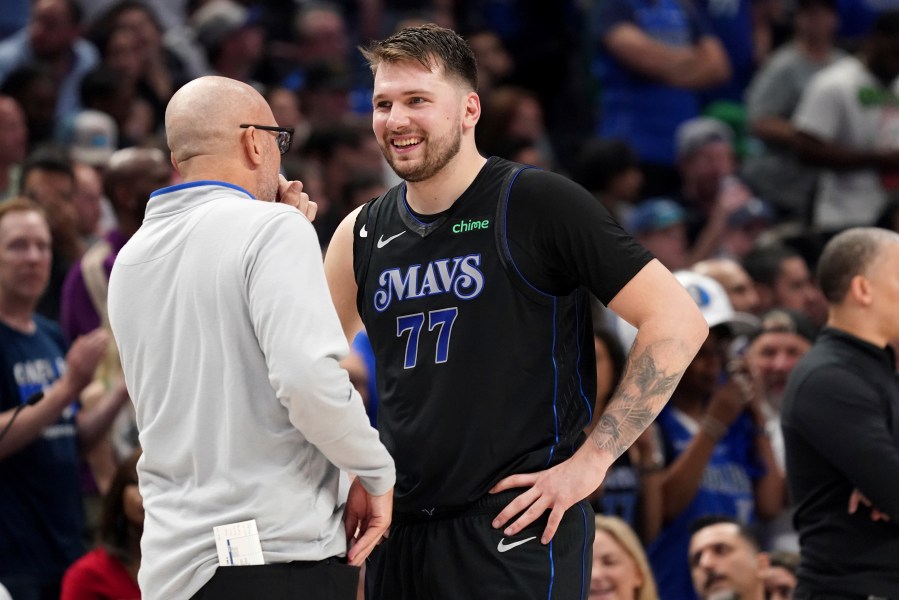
[462, 557]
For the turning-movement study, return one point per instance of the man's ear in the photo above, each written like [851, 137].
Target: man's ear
[472, 113]
[860, 290]
[252, 145]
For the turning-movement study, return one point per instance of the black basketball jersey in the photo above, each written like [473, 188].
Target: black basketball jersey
[480, 375]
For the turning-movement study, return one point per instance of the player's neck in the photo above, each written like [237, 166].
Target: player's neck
[436, 194]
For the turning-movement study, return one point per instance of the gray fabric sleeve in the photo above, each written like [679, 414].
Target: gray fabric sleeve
[300, 335]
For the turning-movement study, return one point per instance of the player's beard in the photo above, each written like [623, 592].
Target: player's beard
[437, 154]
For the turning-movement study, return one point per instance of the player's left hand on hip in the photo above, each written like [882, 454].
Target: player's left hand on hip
[556, 489]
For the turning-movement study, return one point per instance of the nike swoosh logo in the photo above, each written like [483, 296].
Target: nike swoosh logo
[382, 242]
[504, 547]
[363, 232]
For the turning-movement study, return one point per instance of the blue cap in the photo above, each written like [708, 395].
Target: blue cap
[654, 214]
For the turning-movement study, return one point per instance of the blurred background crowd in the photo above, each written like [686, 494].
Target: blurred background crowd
[704, 103]
[732, 138]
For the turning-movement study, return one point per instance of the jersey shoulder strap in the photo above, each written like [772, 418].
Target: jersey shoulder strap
[501, 234]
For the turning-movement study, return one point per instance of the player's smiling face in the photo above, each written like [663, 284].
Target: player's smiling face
[417, 118]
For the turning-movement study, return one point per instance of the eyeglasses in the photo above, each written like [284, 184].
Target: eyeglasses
[285, 135]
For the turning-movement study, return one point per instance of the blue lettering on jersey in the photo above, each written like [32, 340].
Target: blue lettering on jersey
[460, 276]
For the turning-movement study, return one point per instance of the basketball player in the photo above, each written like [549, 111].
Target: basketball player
[471, 280]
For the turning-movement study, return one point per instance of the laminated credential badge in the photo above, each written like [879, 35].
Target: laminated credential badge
[238, 544]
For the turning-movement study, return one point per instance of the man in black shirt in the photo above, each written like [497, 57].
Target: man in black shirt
[841, 426]
[470, 278]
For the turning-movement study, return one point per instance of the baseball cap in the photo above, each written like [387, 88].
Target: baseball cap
[93, 137]
[695, 133]
[786, 320]
[654, 214]
[714, 304]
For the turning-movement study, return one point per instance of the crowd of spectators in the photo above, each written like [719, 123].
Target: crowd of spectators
[732, 138]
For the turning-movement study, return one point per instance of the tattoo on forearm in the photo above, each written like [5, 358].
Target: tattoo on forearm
[647, 376]
[621, 424]
[643, 390]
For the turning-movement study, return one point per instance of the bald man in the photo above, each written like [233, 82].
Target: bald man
[230, 347]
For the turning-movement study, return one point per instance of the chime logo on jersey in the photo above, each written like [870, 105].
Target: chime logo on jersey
[460, 276]
[466, 225]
